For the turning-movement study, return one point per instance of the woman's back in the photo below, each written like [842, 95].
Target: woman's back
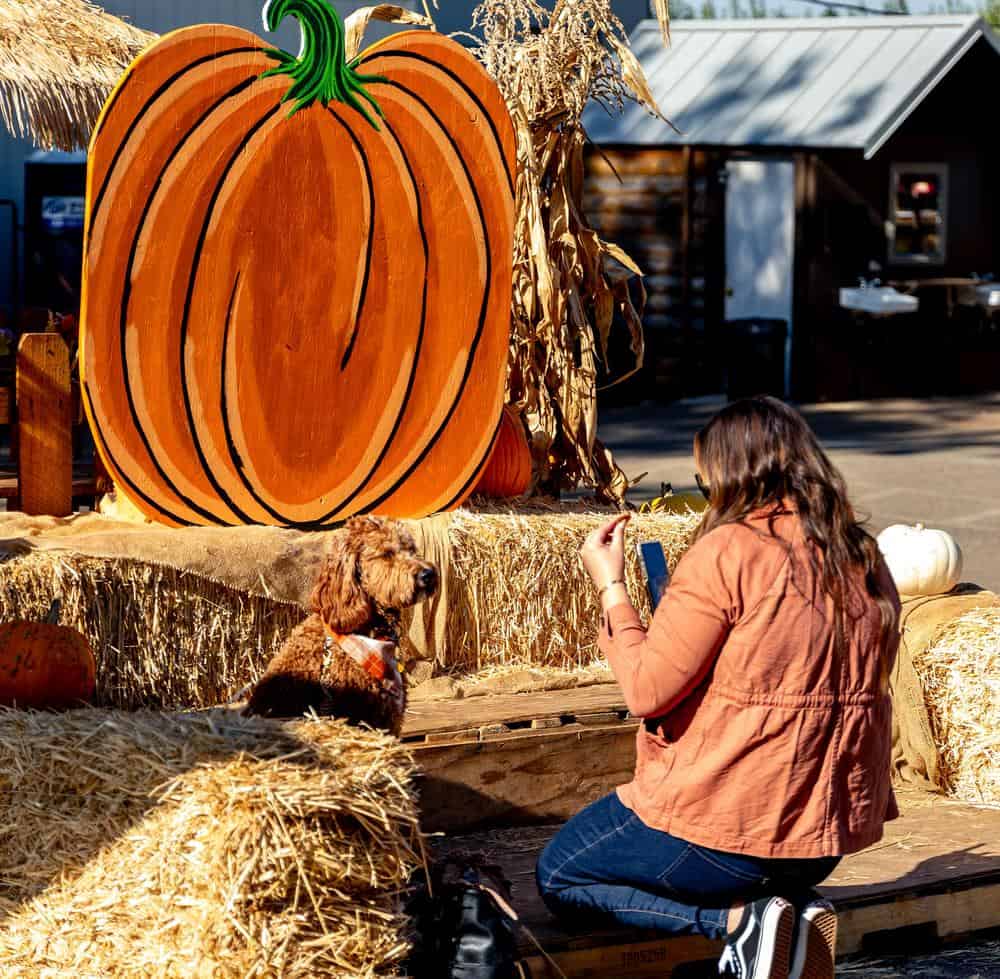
[766, 736]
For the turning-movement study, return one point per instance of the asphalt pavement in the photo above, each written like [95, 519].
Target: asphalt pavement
[934, 461]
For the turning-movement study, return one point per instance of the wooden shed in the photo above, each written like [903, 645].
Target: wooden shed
[810, 154]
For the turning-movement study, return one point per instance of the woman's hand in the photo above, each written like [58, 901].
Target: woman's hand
[603, 552]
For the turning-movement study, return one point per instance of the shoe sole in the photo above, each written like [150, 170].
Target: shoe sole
[784, 929]
[821, 944]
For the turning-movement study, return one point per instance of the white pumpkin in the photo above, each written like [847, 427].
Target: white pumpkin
[922, 561]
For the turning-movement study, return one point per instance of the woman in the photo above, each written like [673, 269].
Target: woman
[764, 753]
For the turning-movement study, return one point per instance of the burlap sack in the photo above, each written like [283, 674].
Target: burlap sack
[915, 758]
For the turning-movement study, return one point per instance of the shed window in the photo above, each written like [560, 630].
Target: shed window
[918, 213]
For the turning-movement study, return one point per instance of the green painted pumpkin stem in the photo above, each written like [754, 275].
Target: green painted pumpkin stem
[321, 72]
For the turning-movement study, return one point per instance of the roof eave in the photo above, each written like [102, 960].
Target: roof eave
[978, 30]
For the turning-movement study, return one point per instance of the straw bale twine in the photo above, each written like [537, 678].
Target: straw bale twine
[201, 845]
[521, 595]
[960, 672]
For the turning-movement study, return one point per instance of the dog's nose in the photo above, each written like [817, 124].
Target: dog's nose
[427, 578]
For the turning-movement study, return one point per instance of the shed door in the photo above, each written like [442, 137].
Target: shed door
[760, 242]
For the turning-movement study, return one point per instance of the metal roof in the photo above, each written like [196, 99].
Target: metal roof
[821, 82]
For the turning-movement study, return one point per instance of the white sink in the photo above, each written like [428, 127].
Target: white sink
[878, 301]
[987, 294]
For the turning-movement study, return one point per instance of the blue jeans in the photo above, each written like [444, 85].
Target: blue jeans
[606, 861]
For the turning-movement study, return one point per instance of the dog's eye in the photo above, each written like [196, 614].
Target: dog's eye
[388, 555]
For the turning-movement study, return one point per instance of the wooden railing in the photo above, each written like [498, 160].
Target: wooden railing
[41, 411]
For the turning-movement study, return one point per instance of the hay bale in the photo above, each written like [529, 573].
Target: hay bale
[520, 593]
[172, 639]
[960, 672]
[201, 845]
[162, 638]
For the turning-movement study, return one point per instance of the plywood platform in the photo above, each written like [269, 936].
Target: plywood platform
[935, 875]
[507, 763]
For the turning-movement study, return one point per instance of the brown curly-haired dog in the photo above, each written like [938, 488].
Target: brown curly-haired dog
[372, 572]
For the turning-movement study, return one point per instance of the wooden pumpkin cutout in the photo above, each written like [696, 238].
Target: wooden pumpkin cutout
[44, 665]
[297, 280]
[508, 472]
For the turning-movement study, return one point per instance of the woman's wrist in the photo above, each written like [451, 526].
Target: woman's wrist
[614, 593]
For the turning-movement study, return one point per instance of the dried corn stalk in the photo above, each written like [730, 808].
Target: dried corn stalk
[568, 281]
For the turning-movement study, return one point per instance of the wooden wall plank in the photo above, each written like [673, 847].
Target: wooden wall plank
[45, 425]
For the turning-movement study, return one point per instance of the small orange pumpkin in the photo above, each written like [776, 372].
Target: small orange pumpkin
[44, 665]
[508, 473]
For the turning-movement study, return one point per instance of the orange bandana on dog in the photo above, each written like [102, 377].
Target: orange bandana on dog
[376, 658]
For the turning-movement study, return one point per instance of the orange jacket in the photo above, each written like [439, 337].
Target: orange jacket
[757, 740]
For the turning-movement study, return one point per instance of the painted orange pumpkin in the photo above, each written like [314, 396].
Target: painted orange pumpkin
[44, 666]
[508, 472]
[297, 279]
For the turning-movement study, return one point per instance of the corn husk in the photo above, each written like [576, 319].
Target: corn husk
[960, 672]
[356, 23]
[158, 845]
[569, 284]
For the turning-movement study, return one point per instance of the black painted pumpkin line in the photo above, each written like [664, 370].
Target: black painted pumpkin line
[126, 302]
[227, 424]
[126, 294]
[186, 317]
[153, 99]
[414, 56]
[484, 307]
[422, 227]
[346, 359]
[474, 478]
[331, 514]
[113, 463]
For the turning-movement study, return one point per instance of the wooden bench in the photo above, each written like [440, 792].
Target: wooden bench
[507, 763]
[40, 411]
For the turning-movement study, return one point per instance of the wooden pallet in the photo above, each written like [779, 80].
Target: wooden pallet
[935, 876]
[519, 759]
[507, 763]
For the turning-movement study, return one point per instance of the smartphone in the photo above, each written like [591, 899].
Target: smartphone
[654, 567]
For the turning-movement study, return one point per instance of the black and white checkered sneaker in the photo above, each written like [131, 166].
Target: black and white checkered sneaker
[760, 946]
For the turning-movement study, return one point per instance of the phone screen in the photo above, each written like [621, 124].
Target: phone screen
[654, 566]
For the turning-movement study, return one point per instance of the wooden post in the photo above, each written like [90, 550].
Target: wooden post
[45, 469]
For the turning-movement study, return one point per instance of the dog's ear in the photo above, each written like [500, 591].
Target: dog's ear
[358, 527]
[337, 596]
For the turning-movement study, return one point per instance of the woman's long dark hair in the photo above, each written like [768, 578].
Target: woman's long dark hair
[759, 453]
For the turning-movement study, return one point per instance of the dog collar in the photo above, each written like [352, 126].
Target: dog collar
[376, 657]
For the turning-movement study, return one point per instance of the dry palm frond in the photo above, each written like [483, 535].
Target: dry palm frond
[158, 845]
[568, 282]
[59, 60]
